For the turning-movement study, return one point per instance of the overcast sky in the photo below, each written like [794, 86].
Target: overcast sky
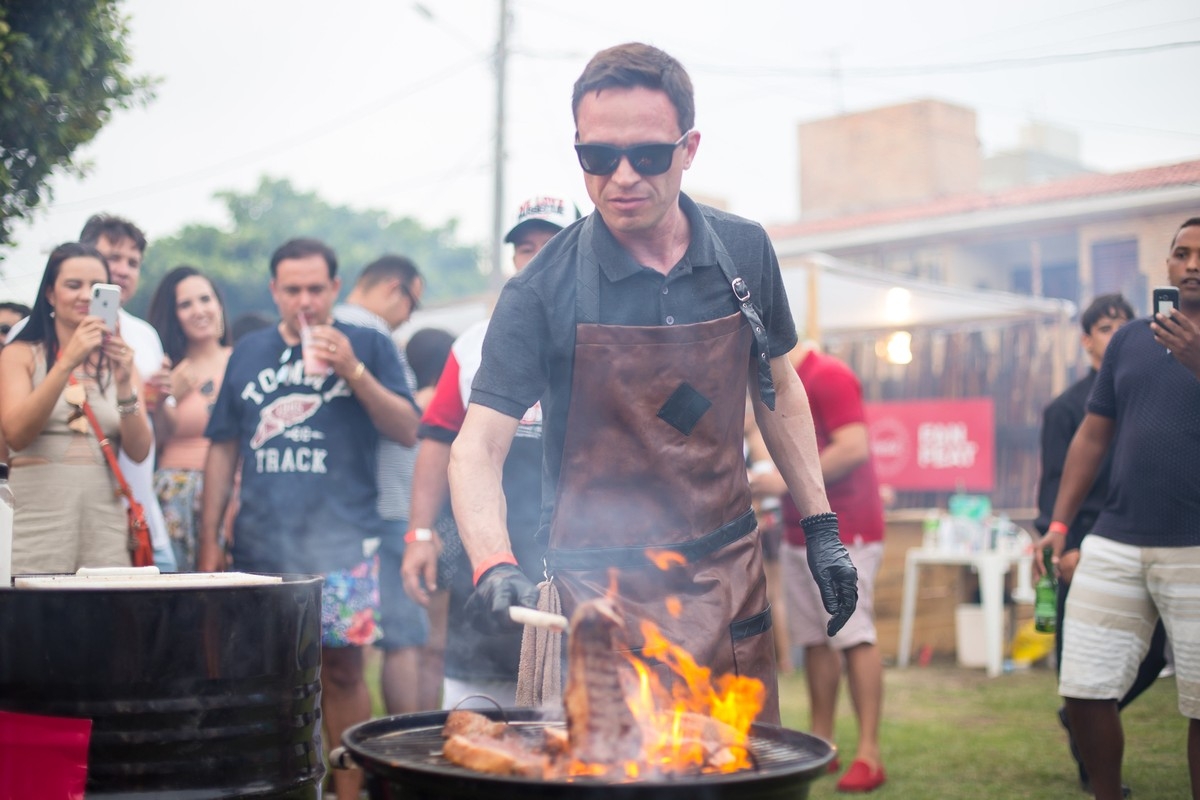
[390, 104]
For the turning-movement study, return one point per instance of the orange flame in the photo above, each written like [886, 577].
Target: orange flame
[674, 606]
[696, 726]
[665, 559]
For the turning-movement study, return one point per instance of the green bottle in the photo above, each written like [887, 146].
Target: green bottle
[1045, 604]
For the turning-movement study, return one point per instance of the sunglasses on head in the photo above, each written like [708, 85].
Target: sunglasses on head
[646, 159]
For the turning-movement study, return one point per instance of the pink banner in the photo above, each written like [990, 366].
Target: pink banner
[934, 445]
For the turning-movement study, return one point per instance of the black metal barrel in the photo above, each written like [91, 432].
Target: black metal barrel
[193, 692]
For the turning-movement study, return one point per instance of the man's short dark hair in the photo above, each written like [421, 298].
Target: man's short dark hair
[114, 229]
[387, 267]
[16, 308]
[1190, 223]
[303, 248]
[627, 66]
[1114, 306]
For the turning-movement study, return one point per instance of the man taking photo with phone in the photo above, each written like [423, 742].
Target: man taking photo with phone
[1141, 562]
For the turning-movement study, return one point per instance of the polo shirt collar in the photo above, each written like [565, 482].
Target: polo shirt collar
[617, 264]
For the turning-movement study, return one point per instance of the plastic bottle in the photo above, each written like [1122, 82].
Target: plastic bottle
[929, 530]
[1045, 604]
[6, 528]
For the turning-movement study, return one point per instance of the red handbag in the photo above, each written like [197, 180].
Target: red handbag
[141, 553]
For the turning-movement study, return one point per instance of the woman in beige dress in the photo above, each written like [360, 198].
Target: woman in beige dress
[68, 514]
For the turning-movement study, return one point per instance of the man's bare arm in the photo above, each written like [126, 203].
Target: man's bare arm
[848, 449]
[430, 488]
[476, 488]
[790, 437]
[1084, 457]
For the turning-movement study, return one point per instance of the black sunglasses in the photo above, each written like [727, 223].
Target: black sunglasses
[646, 159]
[4, 329]
[412, 299]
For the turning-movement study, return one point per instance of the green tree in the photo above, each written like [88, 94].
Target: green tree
[238, 259]
[63, 69]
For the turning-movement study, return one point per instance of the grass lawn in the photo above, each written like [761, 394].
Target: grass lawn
[954, 733]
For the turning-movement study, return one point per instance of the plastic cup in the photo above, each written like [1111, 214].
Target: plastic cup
[314, 363]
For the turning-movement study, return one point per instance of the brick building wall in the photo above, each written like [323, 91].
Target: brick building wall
[887, 157]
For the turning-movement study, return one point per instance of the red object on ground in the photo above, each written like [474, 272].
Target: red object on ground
[834, 766]
[861, 778]
[43, 756]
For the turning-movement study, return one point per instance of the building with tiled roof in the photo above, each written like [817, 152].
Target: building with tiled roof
[1070, 237]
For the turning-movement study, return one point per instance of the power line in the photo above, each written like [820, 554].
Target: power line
[902, 70]
[909, 70]
[368, 109]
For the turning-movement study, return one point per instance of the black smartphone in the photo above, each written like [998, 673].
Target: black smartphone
[1163, 299]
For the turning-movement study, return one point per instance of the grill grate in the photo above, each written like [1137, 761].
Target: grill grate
[413, 742]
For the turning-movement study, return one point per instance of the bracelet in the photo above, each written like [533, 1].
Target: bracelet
[418, 535]
[492, 561]
[129, 409]
[127, 401]
[359, 369]
[1057, 527]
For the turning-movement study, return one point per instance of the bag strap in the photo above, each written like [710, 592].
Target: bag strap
[105, 445]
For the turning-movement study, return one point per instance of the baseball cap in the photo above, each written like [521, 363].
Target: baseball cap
[550, 209]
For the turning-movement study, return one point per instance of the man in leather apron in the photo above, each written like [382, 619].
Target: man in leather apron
[641, 328]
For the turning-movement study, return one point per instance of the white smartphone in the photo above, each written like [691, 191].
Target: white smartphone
[106, 301]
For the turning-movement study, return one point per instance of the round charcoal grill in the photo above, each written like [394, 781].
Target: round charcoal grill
[402, 758]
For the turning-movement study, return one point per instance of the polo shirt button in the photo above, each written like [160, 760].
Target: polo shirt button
[665, 290]
[670, 320]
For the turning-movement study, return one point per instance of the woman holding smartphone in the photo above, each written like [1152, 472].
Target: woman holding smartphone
[189, 316]
[68, 514]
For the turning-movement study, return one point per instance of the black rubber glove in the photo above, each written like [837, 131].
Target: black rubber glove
[831, 567]
[501, 586]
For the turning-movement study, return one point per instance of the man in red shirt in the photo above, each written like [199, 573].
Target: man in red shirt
[835, 396]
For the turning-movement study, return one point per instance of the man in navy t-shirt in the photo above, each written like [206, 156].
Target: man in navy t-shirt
[1141, 561]
[301, 408]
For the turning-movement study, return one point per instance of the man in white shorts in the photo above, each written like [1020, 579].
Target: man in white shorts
[1142, 559]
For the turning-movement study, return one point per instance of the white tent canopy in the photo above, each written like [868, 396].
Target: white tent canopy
[851, 298]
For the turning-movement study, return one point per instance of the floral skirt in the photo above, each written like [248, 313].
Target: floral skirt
[179, 493]
[350, 606]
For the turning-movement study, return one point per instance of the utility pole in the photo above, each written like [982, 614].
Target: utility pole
[497, 274]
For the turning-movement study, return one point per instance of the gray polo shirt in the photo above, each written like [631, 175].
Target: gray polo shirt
[529, 350]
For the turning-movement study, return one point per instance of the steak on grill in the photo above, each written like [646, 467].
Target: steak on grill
[600, 726]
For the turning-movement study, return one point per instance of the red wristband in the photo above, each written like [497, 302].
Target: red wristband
[418, 535]
[1057, 527]
[491, 561]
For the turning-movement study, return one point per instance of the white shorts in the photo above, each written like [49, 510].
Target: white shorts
[806, 615]
[1117, 595]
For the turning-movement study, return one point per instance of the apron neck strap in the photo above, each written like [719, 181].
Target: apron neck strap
[587, 299]
[762, 355]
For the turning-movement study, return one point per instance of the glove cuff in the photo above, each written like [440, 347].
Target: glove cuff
[820, 526]
[490, 563]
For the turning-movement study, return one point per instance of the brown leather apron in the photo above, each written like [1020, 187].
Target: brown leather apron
[653, 463]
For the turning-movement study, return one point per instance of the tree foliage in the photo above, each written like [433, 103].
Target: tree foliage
[238, 259]
[63, 69]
